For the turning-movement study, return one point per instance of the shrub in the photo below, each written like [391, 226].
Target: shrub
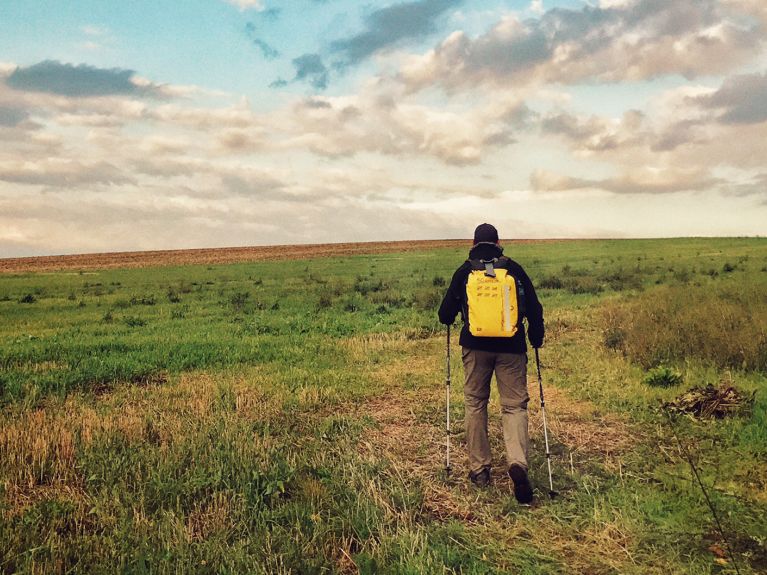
[427, 299]
[143, 300]
[728, 267]
[134, 321]
[173, 296]
[723, 325]
[28, 298]
[551, 282]
[583, 284]
[239, 299]
[621, 280]
[364, 287]
[614, 338]
[662, 376]
[438, 281]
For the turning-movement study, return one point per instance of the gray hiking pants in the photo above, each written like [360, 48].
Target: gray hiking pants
[511, 376]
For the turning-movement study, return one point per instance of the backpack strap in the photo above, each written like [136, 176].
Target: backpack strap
[487, 265]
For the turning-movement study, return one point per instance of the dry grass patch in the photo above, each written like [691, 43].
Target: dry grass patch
[39, 448]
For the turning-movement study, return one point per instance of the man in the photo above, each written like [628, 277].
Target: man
[506, 356]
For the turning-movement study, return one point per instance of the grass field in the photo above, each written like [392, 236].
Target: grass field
[287, 416]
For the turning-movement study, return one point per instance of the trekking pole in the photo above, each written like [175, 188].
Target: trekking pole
[447, 405]
[552, 493]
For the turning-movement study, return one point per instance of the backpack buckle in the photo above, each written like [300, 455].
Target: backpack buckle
[489, 269]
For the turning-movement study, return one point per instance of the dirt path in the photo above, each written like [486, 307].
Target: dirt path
[410, 432]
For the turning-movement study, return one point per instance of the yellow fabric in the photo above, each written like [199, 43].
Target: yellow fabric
[493, 310]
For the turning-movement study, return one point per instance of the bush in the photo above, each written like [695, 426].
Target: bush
[551, 282]
[134, 321]
[662, 376]
[438, 281]
[427, 299]
[614, 338]
[722, 325]
[143, 300]
[621, 280]
[583, 284]
[28, 298]
[173, 296]
[239, 299]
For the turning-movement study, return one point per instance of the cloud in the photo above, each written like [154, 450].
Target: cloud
[390, 26]
[59, 173]
[536, 7]
[268, 51]
[310, 68]
[380, 120]
[636, 40]
[595, 133]
[10, 117]
[247, 4]
[53, 77]
[742, 99]
[634, 181]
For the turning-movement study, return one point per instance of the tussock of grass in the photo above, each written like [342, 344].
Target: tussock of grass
[725, 325]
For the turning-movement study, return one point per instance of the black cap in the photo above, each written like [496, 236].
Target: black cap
[485, 233]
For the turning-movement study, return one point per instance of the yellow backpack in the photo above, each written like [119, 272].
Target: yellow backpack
[491, 294]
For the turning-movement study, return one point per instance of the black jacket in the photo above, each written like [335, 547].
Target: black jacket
[455, 301]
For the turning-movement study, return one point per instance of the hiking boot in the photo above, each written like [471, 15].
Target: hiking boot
[523, 491]
[481, 478]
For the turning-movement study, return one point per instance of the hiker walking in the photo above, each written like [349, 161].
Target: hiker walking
[493, 294]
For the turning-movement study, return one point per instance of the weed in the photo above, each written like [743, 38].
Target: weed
[239, 299]
[614, 338]
[173, 296]
[134, 321]
[438, 281]
[143, 300]
[551, 282]
[426, 299]
[662, 376]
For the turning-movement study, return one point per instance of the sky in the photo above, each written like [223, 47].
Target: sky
[152, 124]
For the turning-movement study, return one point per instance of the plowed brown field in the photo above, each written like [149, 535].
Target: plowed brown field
[218, 255]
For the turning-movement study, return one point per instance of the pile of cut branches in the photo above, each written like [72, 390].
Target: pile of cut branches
[712, 402]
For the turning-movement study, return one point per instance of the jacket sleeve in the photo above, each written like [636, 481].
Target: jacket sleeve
[533, 312]
[451, 303]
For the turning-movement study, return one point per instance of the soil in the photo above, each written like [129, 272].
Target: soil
[220, 255]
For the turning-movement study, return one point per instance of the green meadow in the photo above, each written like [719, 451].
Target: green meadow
[288, 417]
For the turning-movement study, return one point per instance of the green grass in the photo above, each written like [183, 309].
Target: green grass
[287, 417]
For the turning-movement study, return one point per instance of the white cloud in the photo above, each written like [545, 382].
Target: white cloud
[634, 41]
[536, 7]
[247, 4]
